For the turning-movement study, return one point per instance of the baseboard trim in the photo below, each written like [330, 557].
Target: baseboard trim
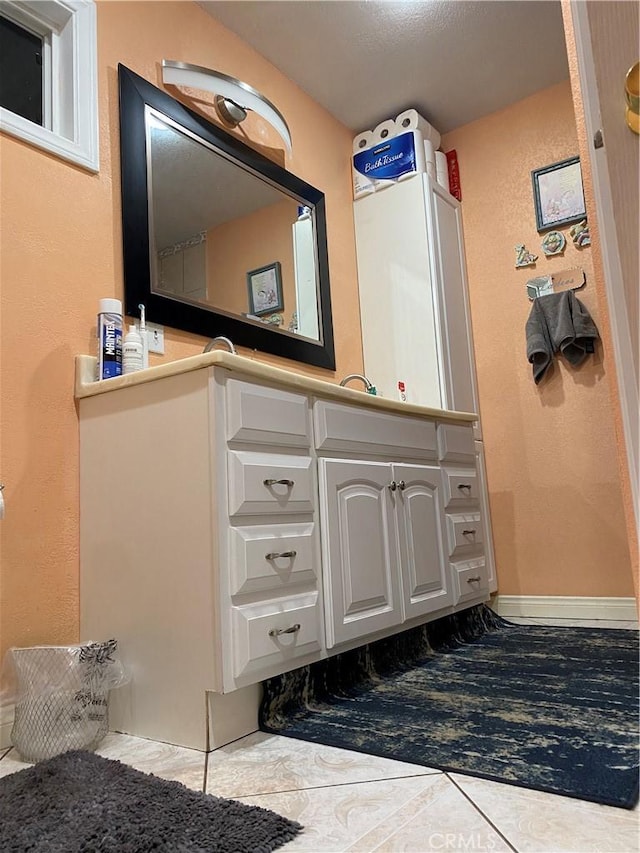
[566, 607]
[6, 724]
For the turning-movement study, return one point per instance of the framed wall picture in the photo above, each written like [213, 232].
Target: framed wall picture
[558, 194]
[265, 289]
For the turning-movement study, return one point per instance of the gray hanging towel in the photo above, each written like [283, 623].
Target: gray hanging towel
[558, 322]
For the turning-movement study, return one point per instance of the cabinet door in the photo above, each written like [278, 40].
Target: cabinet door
[444, 225]
[425, 575]
[359, 548]
[399, 331]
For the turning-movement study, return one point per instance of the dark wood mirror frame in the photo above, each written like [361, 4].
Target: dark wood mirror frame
[135, 94]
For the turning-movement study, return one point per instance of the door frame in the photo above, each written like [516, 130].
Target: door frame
[610, 252]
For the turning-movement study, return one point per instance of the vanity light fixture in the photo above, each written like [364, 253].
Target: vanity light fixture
[233, 97]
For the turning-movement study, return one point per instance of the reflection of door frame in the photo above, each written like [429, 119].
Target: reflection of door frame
[609, 249]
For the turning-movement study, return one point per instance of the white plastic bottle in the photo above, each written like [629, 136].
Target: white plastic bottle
[109, 338]
[132, 351]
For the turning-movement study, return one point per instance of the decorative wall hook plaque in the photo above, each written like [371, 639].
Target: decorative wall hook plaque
[542, 285]
[554, 243]
[524, 258]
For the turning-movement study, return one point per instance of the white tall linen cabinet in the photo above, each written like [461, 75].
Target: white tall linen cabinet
[414, 302]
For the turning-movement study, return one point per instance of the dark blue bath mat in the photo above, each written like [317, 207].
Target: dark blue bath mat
[554, 709]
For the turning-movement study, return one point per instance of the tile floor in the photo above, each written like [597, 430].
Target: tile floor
[352, 802]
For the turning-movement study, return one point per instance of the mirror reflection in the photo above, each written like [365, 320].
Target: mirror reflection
[226, 239]
[218, 239]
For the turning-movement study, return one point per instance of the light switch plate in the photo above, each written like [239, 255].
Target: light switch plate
[155, 337]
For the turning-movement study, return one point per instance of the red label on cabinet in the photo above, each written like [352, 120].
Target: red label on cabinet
[454, 174]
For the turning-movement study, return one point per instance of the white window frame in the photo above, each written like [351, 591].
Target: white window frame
[70, 90]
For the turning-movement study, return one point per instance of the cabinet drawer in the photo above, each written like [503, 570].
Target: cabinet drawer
[456, 443]
[464, 532]
[269, 635]
[266, 415]
[271, 558]
[339, 427]
[269, 483]
[470, 581]
[460, 487]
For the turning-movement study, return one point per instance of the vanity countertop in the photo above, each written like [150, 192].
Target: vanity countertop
[85, 386]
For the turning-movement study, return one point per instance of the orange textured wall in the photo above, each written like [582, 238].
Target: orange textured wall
[556, 503]
[61, 252]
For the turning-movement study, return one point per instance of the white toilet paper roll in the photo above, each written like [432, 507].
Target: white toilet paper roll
[442, 171]
[429, 154]
[412, 120]
[441, 162]
[363, 140]
[385, 130]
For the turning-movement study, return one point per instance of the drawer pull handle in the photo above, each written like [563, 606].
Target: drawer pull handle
[476, 579]
[393, 485]
[288, 483]
[471, 532]
[276, 632]
[273, 555]
[402, 485]
[463, 486]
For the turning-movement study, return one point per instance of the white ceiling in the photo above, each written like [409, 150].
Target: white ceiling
[453, 60]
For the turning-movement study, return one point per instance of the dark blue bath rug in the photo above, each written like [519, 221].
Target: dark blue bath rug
[553, 709]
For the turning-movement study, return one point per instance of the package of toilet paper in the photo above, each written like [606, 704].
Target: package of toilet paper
[387, 162]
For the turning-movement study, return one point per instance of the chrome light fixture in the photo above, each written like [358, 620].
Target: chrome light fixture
[233, 97]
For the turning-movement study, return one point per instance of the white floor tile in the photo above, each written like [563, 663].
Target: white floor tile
[535, 822]
[162, 759]
[263, 763]
[11, 763]
[417, 814]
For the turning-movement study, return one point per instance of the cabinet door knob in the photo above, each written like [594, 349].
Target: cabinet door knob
[288, 483]
[475, 579]
[276, 632]
[471, 532]
[465, 487]
[402, 485]
[273, 555]
[393, 485]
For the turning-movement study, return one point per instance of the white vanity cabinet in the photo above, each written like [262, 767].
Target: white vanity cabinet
[382, 521]
[237, 522]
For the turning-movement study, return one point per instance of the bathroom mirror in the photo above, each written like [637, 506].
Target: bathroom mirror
[217, 239]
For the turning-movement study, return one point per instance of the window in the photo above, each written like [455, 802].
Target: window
[21, 71]
[48, 76]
